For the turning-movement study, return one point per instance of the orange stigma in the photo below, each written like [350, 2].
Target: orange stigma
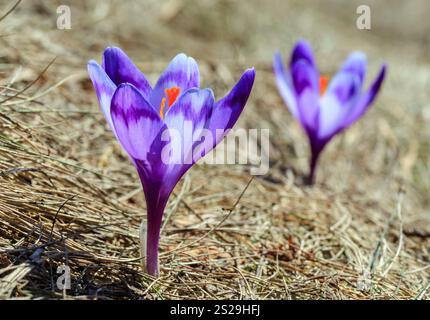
[323, 84]
[172, 94]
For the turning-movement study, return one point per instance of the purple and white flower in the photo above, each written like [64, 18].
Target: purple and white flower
[140, 115]
[324, 108]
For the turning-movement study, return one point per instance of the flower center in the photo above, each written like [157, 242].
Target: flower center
[172, 94]
[323, 83]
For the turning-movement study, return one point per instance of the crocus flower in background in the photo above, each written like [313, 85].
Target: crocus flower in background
[324, 108]
[141, 116]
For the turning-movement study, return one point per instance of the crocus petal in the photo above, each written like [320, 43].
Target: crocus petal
[284, 83]
[104, 87]
[305, 81]
[356, 63]
[344, 87]
[182, 72]
[302, 51]
[309, 108]
[367, 99]
[121, 69]
[187, 118]
[304, 76]
[228, 109]
[138, 126]
[338, 101]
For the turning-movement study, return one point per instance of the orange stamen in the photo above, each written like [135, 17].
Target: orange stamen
[323, 84]
[163, 104]
[172, 94]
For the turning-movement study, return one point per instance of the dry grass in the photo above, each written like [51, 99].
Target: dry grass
[69, 195]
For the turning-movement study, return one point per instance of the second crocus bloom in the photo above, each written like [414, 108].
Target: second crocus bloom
[323, 107]
[160, 128]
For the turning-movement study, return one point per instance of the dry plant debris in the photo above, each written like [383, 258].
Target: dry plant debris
[69, 196]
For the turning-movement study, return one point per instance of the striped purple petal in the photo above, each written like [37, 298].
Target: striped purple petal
[366, 99]
[228, 109]
[340, 98]
[285, 85]
[137, 125]
[304, 76]
[306, 86]
[121, 69]
[182, 72]
[309, 107]
[302, 52]
[356, 63]
[104, 87]
[187, 118]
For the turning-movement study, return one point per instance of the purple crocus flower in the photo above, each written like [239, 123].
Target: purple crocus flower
[142, 118]
[324, 108]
